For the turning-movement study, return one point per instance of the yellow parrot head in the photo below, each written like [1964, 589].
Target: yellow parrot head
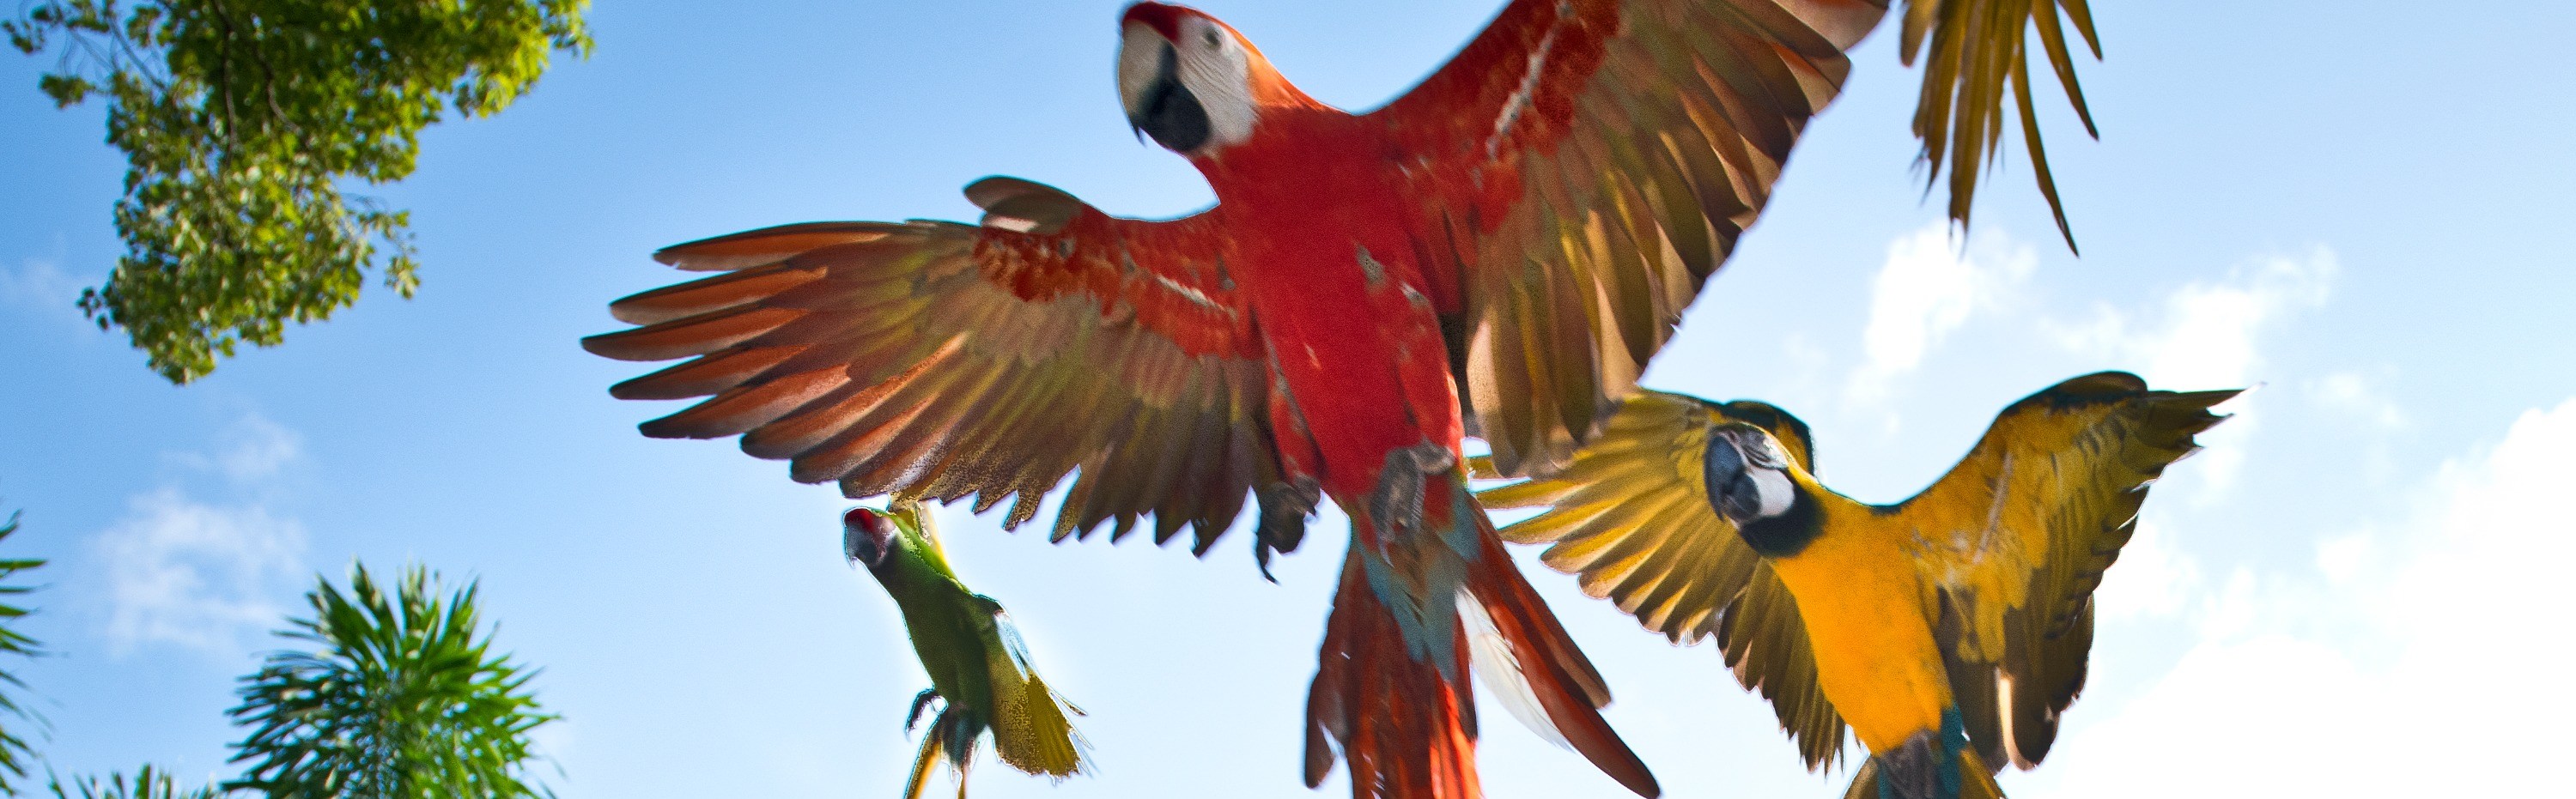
[1747, 474]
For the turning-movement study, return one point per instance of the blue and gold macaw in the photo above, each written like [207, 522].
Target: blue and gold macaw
[1948, 630]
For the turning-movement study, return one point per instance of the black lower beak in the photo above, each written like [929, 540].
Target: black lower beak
[1168, 112]
[1730, 491]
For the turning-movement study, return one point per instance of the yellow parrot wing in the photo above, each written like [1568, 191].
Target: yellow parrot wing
[1630, 518]
[1030, 728]
[2018, 534]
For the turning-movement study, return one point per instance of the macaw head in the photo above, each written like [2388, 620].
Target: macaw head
[1186, 79]
[1752, 483]
[868, 537]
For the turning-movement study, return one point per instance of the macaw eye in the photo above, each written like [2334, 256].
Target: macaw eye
[1213, 40]
[1764, 453]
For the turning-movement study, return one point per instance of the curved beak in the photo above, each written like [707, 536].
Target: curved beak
[1149, 86]
[867, 537]
[1724, 477]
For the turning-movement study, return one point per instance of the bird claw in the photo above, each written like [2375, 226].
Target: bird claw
[920, 702]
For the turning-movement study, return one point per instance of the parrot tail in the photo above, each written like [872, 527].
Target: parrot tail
[1927, 766]
[1389, 693]
[1406, 730]
[1525, 656]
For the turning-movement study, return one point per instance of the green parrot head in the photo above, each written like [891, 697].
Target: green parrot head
[869, 537]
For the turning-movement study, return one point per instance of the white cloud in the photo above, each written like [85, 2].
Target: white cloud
[1929, 287]
[195, 574]
[2427, 657]
[40, 285]
[2204, 334]
[2152, 578]
[200, 574]
[2355, 396]
[2207, 335]
[254, 449]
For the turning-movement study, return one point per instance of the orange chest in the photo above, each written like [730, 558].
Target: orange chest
[1869, 625]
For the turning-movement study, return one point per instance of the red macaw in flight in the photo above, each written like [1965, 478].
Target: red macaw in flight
[1497, 252]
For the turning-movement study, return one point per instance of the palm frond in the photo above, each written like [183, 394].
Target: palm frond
[1979, 50]
[147, 784]
[15, 717]
[399, 697]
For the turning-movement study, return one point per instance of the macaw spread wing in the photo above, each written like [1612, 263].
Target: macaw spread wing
[936, 360]
[1629, 518]
[2033, 515]
[1592, 162]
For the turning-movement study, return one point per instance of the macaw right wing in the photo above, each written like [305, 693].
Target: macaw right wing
[1581, 167]
[1629, 517]
[936, 360]
[2019, 534]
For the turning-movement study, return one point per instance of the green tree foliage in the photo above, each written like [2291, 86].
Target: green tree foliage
[241, 121]
[400, 699]
[14, 645]
[147, 784]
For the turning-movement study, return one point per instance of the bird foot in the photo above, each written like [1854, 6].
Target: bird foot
[1396, 505]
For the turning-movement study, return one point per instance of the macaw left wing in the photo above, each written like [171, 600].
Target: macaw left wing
[1629, 517]
[2018, 534]
[935, 360]
[1583, 166]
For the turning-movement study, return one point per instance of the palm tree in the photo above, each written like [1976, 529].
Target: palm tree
[401, 698]
[13, 645]
[147, 784]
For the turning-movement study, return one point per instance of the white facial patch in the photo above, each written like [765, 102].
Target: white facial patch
[1216, 70]
[1774, 488]
[1207, 61]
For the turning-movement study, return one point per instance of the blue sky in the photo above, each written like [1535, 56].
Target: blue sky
[2359, 205]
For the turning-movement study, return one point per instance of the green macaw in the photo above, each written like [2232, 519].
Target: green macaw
[979, 670]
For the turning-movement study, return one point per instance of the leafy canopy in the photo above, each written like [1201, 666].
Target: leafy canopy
[400, 699]
[242, 120]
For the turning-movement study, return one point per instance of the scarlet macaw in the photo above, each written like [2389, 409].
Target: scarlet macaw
[1950, 630]
[979, 671]
[1499, 250]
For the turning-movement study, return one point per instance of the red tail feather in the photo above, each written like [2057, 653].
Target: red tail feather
[1408, 733]
[1560, 678]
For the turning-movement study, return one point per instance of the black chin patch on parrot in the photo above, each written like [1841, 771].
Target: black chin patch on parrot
[1732, 493]
[1169, 112]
